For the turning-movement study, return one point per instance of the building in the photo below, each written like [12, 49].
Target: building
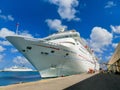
[114, 63]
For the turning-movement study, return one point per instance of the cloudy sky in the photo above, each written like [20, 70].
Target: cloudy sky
[97, 21]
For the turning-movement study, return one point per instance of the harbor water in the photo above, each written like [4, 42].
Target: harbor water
[8, 78]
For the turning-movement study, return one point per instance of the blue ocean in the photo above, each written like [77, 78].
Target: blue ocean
[8, 78]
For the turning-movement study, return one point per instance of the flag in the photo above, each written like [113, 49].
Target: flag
[86, 46]
[17, 24]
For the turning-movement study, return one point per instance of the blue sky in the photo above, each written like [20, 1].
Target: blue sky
[97, 21]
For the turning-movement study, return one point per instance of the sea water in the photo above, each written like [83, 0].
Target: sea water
[8, 78]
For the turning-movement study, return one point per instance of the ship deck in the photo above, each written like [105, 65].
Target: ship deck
[96, 81]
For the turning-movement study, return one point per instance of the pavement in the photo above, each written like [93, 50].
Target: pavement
[96, 81]
[59, 83]
[100, 81]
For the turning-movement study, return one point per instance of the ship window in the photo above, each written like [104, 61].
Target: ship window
[66, 36]
[67, 54]
[46, 53]
[52, 51]
[28, 47]
[23, 50]
[48, 39]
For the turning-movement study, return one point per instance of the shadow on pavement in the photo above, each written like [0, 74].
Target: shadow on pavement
[98, 82]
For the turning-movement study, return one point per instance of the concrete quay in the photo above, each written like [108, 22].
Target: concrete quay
[102, 81]
[59, 83]
[96, 81]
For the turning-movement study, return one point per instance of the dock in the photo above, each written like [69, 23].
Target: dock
[96, 81]
[102, 81]
[59, 83]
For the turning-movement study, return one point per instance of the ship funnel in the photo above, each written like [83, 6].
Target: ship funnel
[61, 29]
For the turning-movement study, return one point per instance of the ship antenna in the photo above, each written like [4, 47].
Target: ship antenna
[17, 26]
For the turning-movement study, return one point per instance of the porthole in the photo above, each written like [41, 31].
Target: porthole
[52, 51]
[28, 47]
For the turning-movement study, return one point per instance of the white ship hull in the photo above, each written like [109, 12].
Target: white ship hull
[53, 59]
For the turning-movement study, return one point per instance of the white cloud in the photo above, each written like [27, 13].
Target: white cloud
[3, 17]
[6, 17]
[115, 29]
[1, 57]
[116, 36]
[6, 43]
[20, 60]
[0, 11]
[10, 18]
[55, 24]
[13, 50]
[100, 38]
[110, 4]
[25, 33]
[66, 8]
[114, 45]
[107, 58]
[6, 32]
[2, 49]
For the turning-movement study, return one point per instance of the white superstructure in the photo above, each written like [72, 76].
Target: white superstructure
[17, 68]
[63, 53]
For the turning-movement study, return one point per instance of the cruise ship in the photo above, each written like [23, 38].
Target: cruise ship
[17, 68]
[60, 54]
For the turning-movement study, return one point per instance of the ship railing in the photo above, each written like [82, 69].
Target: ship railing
[31, 39]
[34, 39]
[42, 40]
[52, 43]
